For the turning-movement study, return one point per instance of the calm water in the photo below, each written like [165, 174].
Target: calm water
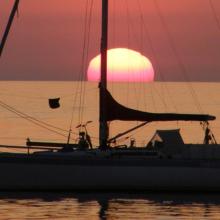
[32, 99]
[109, 206]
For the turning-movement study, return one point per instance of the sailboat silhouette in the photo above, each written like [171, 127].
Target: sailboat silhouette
[165, 164]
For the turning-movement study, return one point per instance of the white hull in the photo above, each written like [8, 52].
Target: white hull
[34, 176]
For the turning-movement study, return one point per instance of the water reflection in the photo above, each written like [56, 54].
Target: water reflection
[108, 206]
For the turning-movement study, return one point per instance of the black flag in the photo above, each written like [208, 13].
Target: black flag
[54, 103]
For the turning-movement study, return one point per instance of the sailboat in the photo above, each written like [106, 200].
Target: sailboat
[166, 163]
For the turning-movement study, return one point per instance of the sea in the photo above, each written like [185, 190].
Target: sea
[25, 113]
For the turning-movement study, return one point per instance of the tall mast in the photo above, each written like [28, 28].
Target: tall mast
[103, 126]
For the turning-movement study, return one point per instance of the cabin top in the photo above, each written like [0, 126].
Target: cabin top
[167, 137]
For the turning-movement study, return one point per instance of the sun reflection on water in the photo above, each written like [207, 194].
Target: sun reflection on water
[108, 206]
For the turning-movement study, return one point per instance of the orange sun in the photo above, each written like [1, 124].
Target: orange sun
[124, 65]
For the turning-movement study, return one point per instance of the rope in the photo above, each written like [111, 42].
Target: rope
[214, 14]
[136, 87]
[128, 23]
[83, 65]
[79, 85]
[175, 52]
[33, 120]
[151, 44]
[86, 58]
[40, 97]
[114, 22]
[37, 122]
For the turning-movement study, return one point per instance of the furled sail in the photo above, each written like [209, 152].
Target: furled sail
[116, 111]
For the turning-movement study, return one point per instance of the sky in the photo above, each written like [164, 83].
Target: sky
[181, 38]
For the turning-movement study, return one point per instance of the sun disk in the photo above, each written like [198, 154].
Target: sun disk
[124, 65]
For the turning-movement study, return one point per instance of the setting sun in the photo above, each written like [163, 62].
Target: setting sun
[124, 65]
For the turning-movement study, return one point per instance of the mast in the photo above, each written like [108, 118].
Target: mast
[110, 110]
[103, 126]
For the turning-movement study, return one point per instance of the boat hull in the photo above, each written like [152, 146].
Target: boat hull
[109, 174]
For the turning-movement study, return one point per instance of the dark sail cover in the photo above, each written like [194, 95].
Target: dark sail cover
[116, 111]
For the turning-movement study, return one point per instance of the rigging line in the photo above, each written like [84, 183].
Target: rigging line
[135, 85]
[30, 120]
[128, 46]
[26, 116]
[113, 35]
[114, 22]
[83, 61]
[128, 23]
[86, 58]
[80, 71]
[215, 15]
[147, 33]
[66, 96]
[38, 97]
[173, 47]
[3, 105]
[145, 26]
[142, 51]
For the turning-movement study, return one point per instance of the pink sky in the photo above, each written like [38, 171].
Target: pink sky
[46, 41]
